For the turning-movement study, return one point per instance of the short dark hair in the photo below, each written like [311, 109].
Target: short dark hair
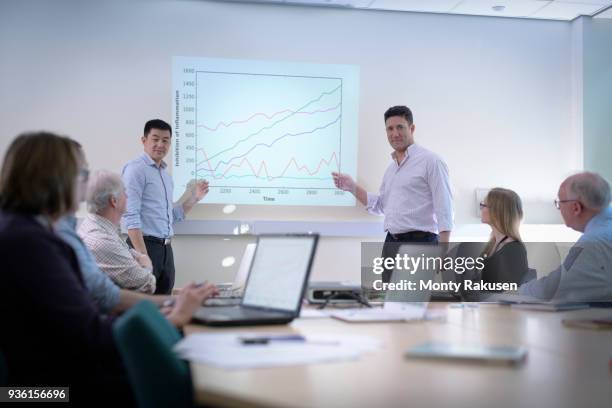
[39, 173]
[156, 124]
[402, 111]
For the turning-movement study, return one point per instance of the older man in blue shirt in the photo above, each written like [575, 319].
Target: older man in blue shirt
[586, 273]
[150, 210]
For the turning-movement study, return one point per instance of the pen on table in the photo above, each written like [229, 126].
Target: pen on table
[264, 340]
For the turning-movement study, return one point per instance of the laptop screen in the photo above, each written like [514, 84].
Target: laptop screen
[245, 266]
[279, 272]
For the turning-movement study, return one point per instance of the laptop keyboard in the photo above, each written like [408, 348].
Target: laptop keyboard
[245, 312]
[228, 293]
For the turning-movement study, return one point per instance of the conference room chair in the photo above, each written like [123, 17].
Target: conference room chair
[145, 338]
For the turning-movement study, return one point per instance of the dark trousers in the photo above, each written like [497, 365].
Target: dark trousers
[162, 259]
[394, 241]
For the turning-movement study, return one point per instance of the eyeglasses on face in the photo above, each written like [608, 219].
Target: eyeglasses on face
[558, 202]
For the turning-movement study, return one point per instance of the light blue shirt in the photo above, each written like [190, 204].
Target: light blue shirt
[149, 204]
[104, 292]
[586, 273]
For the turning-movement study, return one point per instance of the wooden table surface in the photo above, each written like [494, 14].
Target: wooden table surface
[565, 367]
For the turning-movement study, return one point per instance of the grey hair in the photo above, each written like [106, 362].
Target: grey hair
[591, 189]
[103, 185]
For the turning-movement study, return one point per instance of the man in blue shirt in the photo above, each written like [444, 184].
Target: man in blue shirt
[150, 210]
[586, 273]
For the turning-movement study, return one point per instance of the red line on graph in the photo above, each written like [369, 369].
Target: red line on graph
[263, 167]
[267, 117]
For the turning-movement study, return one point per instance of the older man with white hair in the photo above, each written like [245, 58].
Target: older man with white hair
[586, 273]
[106, 203]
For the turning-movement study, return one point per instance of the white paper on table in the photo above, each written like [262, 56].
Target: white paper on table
[314, 313]
[506, 298]
[528, 302]
[391, 311]
[226, 351]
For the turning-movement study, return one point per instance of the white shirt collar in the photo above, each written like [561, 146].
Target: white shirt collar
[410, 150]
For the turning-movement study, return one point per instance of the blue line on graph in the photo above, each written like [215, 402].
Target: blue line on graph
[270, 145]
[273, 124]
[266, 178]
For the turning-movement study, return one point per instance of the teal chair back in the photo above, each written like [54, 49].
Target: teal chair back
[145, 338]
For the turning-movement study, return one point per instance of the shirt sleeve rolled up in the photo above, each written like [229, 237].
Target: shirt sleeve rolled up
[178, 214]
[134, 181]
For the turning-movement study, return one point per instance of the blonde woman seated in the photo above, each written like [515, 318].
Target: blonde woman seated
[506, 257]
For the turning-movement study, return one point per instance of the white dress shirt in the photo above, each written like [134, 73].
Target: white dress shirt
[415, 195]
[113, 255]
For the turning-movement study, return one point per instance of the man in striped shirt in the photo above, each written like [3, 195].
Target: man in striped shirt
[415, 195]
[106, 202]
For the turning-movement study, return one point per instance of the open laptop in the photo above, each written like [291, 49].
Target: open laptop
[407, 305]
[230, 294]
[275, 286]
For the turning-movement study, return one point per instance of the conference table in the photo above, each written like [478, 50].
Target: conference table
[565, 367]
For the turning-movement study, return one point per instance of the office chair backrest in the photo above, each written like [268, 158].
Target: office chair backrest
[145, 338]
[543, 257]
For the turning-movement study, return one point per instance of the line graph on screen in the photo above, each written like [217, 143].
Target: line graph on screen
[263, 137]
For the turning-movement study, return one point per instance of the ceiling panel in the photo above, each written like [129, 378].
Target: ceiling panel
[512, 8]
[435, 6]
[605, 14]
[540, 9]
[600, 2]
[567, 11]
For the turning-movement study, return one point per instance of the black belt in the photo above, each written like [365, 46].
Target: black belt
[161, 241]
[413, 235]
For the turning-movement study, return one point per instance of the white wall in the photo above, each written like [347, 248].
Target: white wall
[492, 96]
[597, 95]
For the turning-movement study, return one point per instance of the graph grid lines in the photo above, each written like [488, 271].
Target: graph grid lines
[264, 132]
[206, 167]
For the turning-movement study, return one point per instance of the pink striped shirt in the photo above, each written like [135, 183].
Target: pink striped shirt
[415, 195]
